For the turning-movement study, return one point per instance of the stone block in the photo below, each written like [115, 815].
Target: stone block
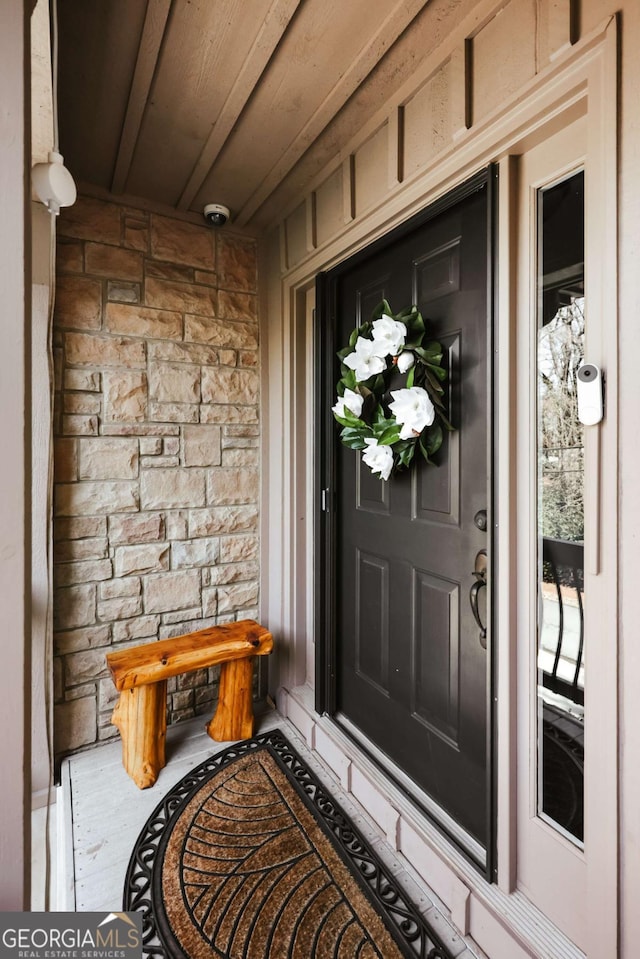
[182, 699]
[237, 262]
[85, 349]
[78, 527]
[188, 554]
[239, 442]
[231, 573]
[172, 488]
[158, 462]
[171, 446]
[167, 592]
[223, 385]
[198, 677]
[236, 597]
[220, 333]
[237, 306]
[168, 271]
[74, 606]
[177, 524]
[94, 547]
[105, 730]
[147, 558]
[201, 445]
[75, 724]
[151, 445]
[229, 414]
[69, 255]
[91, 219]
[228, 358]
[108, 695]
[183, 353]
[108, 457]
[85, 666]
[136, 234]
[233, 458]
[90, 498]
[249, 358]
[209, 602]
[143, 321]
[174, 383]
[117, 588]
[123, 291]
[78, 303]
[182, 297]
[65, 460]
[232, 487]
[83, 380]
[241, 430]
[182, 242]
[141, 528]
[125, 396]
[239, 547]
[75, 640]
[79, 425]
[222, 519]
[139, 429]
[87, 571]
[173, 412]
[141, 627]
[184, 621]
[206, 277]
[112, 261]
[205, 696]
[124, 607]
[83, 403]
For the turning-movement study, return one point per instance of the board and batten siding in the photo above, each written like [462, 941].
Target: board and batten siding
[156, 428]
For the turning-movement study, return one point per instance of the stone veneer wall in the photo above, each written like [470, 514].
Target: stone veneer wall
[156, 449]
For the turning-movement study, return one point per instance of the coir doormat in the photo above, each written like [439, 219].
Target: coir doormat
[249, 857]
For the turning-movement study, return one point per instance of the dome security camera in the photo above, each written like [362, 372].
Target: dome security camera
[216, 214]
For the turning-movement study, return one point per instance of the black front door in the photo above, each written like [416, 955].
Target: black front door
[407, 662]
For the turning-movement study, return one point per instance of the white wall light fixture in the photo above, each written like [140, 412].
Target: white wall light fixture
[52, 183]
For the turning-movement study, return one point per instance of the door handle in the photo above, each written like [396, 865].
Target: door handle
[480, 573]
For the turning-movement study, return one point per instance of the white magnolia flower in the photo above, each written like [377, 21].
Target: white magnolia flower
[350, 401]
[378, 458]
[388, 335]
[406, 361]
[364, 362]
[413, 410]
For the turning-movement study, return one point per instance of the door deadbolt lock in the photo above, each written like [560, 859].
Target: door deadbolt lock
[480, 519]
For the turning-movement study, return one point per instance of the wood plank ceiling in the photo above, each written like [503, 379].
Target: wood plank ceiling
[241, 102]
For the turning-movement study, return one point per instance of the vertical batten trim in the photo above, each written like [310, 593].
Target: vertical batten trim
[349, 188]
[395, 142]
[282, 233]
[459, 86]
[310, 221]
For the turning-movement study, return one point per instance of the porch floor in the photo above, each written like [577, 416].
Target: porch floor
[102, 812]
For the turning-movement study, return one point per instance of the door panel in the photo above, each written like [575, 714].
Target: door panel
[410, 671]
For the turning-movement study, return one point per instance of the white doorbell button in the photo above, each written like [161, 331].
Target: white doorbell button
[590, 395]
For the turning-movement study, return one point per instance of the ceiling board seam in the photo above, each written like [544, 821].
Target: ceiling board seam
[264, 46]
[153, 33]
[372, 53]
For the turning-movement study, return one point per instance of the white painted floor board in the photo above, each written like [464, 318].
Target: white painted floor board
[108, 813]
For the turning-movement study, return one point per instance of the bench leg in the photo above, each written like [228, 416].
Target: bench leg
[234, 714]
[141, 716]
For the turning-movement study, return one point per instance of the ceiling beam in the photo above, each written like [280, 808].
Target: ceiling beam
[148, 52]
[396, 22]
[273, 28]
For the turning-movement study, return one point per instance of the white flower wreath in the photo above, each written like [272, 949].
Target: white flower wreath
[389, 431]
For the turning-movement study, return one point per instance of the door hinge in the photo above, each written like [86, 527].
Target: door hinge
[325, 500]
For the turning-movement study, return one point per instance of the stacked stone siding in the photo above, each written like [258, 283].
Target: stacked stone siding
[156, 449]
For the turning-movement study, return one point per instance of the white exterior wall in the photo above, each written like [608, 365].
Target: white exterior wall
[461, 110]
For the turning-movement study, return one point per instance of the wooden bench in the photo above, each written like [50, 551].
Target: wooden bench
[140, 675]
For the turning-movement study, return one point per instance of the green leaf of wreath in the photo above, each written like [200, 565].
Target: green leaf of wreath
[353, 438]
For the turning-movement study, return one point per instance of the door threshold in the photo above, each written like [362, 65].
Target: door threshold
[453, 830]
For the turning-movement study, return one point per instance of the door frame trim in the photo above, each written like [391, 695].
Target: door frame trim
[325, 483]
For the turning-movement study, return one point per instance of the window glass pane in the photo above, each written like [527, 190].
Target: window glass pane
[560, 513]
